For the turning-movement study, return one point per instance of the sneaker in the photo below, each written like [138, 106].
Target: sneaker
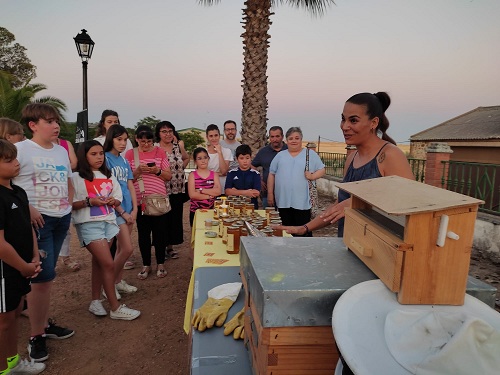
[56, 332]
[124, 313]
[123, 287]
[97, 309]
[118, 296]
[37, 349]
[25, 367]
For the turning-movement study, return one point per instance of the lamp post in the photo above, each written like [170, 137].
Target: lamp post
[85, 46]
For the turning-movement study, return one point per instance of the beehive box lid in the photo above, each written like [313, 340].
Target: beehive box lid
[400, 196]
[297, 281]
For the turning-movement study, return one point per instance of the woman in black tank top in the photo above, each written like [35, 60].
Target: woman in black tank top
[364, 126]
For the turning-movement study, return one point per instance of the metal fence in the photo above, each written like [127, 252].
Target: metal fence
[476, 180]
[334, 163]
[418, 168]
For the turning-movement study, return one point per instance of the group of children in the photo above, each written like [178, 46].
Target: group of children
[38, 196]
[204, 185]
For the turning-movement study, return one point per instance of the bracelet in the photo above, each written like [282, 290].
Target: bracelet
[159, 173]
[307, 229]
[87, 202]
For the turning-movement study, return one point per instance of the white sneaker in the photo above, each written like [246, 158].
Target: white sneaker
[123, 287]
[118, 296]
[25, 367]
[124, 313]
[97, 309]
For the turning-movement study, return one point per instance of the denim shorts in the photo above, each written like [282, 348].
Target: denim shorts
[120, 220]
[50, 239]
[96, 230]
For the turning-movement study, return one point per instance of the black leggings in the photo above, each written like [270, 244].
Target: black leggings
[294, 217]
[147, 226]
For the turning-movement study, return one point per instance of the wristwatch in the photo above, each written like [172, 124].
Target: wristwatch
[158, 173]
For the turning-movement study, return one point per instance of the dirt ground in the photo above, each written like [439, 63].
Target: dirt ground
[155, 343]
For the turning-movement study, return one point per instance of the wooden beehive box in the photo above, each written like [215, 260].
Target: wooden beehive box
[288, 350]
[291, 287]
[393, 226]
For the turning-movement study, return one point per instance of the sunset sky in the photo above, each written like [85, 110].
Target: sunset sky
[182, 61]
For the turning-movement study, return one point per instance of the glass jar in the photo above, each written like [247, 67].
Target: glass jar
[249, 208]
[223, 229]
[233, 240]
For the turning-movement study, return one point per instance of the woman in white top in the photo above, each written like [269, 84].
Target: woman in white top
[219, 156]
[109, 118]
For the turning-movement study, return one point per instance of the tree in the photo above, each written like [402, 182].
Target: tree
[150, 121]
[13, 100]
[257, 20]
[191, 140]
[14, 61]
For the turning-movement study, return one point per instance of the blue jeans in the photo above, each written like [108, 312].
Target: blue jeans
[50, 240]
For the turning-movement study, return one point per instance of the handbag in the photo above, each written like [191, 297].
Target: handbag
[151, 204]
[313, 191]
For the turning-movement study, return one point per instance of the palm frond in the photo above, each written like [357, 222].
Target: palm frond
[315, 7]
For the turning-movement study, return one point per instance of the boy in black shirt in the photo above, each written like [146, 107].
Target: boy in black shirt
[19, 261]
[244, 180]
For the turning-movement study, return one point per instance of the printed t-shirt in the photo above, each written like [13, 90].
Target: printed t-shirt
[44, 176]
[120, 168]
[101, 186]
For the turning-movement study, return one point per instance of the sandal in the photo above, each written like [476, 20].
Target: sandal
[129, 265]
[73, 265]
[172, 254]
[143, 275]
[161, 273]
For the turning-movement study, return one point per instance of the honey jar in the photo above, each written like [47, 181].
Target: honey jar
[233, 240]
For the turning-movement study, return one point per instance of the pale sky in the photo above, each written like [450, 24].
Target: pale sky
[182, 61]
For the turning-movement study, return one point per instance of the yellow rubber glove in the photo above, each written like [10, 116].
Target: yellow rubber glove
[213, 311]
[236, 325]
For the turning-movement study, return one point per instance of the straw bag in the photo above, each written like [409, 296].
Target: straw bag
[313, 191]
[151, 204]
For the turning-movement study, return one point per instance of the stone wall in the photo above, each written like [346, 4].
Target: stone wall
[417, 150]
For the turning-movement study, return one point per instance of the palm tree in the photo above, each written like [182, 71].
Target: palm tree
[12, 101]
[257, 21]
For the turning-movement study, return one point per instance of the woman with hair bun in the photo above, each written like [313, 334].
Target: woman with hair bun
[364, 125]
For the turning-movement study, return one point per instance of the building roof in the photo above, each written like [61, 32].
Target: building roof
[481, 123]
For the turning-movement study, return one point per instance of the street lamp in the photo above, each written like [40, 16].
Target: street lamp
[85, 46]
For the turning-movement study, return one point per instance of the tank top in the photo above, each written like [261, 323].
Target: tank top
[202, 183]
[365, 172]
[64, 143]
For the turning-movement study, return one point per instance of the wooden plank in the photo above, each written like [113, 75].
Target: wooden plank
[400, 196]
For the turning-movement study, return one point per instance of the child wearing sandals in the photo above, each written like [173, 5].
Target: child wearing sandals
[97, 192]
[19, 261]
[114, 144]
[203, 184]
